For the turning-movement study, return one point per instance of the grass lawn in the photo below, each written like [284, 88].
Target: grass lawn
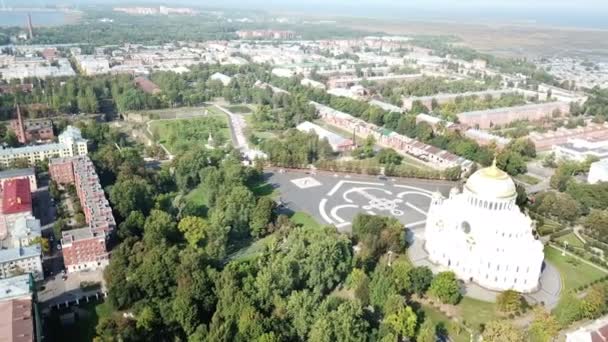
[251, 250]
[304, 219]
[239, 109]
[440, 319]
[574, 272]
[172, 113]
[181, 135]
[475, 312]
[260, 189]
[198, 196]
[572, 239]
[527, 179]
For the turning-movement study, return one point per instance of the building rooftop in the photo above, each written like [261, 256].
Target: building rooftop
[12, 173]
[17, 196]
[70, 236]
[534, 106]
[33, 149]
[17, 324]
[333, 138]
[7, 255]
[15, 287]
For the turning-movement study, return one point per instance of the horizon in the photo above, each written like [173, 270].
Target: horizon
[560, 13]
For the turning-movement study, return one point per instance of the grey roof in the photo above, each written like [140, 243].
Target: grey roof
[12, 173]
[12, 254]
[548, 105]
[33, 149]
[14, 287]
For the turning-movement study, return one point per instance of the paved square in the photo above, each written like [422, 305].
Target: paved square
[336, 199]
[306, 182]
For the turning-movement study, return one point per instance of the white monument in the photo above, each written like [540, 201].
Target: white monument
[598, 172]
[482, 236]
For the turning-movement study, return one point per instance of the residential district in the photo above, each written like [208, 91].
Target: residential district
[138, 178]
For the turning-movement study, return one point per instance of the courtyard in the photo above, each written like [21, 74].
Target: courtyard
[335, 199]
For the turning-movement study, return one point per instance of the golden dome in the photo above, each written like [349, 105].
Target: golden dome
[491, 183]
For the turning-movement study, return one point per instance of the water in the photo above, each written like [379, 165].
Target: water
[39, 18]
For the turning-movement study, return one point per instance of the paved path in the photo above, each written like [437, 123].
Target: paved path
[237, 127]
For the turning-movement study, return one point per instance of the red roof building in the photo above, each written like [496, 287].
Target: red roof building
[147, 86]
[16, 197]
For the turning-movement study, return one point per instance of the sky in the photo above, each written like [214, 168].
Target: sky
[578, 13]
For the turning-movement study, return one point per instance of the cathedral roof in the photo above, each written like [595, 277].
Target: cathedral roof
[492, 183]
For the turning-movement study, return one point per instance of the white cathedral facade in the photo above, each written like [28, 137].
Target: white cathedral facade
[481, 235]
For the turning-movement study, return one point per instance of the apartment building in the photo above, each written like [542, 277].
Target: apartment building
[546, 141]
[440, 99]
[12, 174]
[17, 322]
[31, 130]
[70, 144]
[84, 249]
[80, 171]
[432, 155]
[21, 260]
[485, 119]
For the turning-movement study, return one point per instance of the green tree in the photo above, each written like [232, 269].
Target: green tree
[544, 328]
[510, 301]
[502, 331]
[44, 244]
[426, 332]
[403, 323]
[194, 229]
[262, 216]
[594, 302]
[389, 156]
[131, 194]
[421, 278]
[445, 287]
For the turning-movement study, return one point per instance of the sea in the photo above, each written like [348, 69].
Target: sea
[39, 18]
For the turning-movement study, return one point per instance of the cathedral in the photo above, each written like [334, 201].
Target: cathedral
[481, 235]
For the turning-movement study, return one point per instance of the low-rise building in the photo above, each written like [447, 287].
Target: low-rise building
[225, 79]
[485, 138]
[92, 65]
[546, 141]
[598, 172]
[596, 331]
[20, 260]
[441, 99]
[31, 130]
[581, 149]
[485, 119]
[70, 144]
[17, 323]
[16, 201]
[337, 142]
[386, 106]
[147, 86]
[307, 82]
[84, 249]
[432, 155]
[24, 231]
[12, 174]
